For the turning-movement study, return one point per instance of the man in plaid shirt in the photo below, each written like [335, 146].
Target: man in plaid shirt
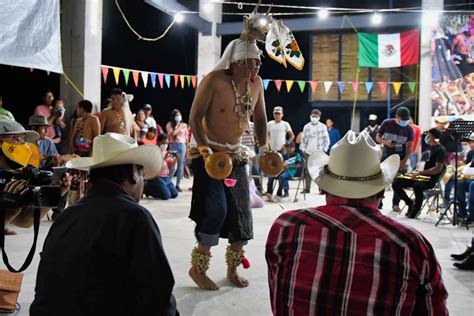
[346, 258]
[315, 138]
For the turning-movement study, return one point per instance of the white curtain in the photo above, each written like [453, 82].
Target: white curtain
[30, 34]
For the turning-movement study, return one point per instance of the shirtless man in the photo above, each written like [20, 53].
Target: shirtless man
[224, 102]
[462, 48]
[86, 127]
[117, 117]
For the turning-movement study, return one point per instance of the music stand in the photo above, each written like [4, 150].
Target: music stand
[460, 130]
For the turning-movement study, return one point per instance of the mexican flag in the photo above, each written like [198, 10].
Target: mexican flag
[389, 50]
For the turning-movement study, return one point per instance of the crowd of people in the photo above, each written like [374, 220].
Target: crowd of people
[104, 254]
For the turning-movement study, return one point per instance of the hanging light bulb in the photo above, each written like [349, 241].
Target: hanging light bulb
[376, 18]
[323, 13]
[179, 17]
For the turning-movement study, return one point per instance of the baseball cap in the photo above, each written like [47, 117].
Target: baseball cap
[9, 127]
[372, 117]
[404, 113]
[435, 132]
[147, 107]
[277, 109]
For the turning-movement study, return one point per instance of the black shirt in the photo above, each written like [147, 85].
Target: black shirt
[434, 154]
[469, 156]
[103, 256]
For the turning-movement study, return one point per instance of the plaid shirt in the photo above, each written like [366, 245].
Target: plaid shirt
[315, 138]
[346, 258]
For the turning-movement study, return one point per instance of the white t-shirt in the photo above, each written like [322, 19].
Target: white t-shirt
[277, 134]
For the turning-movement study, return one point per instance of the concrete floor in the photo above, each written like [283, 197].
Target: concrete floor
[178, 239]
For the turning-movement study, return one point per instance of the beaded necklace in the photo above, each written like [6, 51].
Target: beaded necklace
[243, 103]
[120, 119]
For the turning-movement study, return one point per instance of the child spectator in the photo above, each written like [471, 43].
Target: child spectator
[151, 138]
[161, 186]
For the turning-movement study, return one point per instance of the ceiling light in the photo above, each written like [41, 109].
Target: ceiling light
[323, 13]
[179, 17]
[376, 18]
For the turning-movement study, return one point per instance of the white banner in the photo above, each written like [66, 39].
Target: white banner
[30, 34]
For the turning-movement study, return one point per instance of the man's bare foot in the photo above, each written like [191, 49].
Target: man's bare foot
[234, 277]
[202, 280]
[9, 232]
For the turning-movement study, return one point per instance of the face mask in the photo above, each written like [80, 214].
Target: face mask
[404, 123]
[178, 118]
[466, 148]
[164, 147]
[314, 120]
[427, 139]
[372, 122]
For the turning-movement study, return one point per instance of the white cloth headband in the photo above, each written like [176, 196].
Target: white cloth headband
[238, 50]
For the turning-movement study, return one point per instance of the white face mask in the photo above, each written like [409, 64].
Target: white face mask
[314, 120]
[164, 147]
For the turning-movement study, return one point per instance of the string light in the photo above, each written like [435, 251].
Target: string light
[376, 18]
[179, 17]
[323, 13]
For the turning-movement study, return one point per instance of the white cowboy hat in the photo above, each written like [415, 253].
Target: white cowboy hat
[114, 149]
[353, 169]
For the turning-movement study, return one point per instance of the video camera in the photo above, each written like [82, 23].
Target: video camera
[41, 193]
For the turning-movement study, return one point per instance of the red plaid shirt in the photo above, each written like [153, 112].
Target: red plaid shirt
[346, 258]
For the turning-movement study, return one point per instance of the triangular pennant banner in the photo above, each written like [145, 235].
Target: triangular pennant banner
[368, 86]
[145, 78]
[327, 86]
[266, 82]
[181, 79]
[396, 87]
[168, 80]
[126, 75]
[277, 84]
[302, 85]
[355, 86]
[382, 86]
[135, 75]
[193, 81]
[289, 84]
[188, 80]
[314, 85]
[160, 79]
[341, 85]
[176, 78]
[116, 74]
[153, 79]
[105, 72]
[412, 86]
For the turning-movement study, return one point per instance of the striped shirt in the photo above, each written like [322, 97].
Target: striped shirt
[346, 258]
[315, 138]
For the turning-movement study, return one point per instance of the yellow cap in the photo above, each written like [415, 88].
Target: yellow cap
[18, 153]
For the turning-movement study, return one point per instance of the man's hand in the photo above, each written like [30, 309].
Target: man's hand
[12, 193]
[56, 160]
[414, 175]
[64, 183]
[18, 187]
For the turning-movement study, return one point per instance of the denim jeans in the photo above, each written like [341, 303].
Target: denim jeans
[178, 170]
[160, 188]
[282, 183]
[463, 187]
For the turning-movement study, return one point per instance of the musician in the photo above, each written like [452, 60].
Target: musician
[47, 149]
[466, 184]
[434, 164]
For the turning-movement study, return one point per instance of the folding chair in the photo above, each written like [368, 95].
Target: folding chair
[300, 179]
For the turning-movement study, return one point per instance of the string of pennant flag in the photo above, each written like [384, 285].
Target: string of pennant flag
[178, 79]
[181, 80]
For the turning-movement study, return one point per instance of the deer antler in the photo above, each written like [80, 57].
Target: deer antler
[255, 10]
[269, 9]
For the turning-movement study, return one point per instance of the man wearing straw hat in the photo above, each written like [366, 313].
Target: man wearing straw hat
[346, 257]
[103, 255]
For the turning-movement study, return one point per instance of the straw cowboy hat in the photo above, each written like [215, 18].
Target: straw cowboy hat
[38, 120]
[353, 169]
[12, 128]
[114, 149]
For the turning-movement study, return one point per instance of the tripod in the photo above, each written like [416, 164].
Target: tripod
[460, 131]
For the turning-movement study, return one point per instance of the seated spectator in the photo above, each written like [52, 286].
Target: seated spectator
[48, 151]
[292, 164]
[161, 187]
[5, 114]
[151, 137]
[104, 254]
[339, 258]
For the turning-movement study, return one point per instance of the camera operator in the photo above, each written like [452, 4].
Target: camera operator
[15, 154]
